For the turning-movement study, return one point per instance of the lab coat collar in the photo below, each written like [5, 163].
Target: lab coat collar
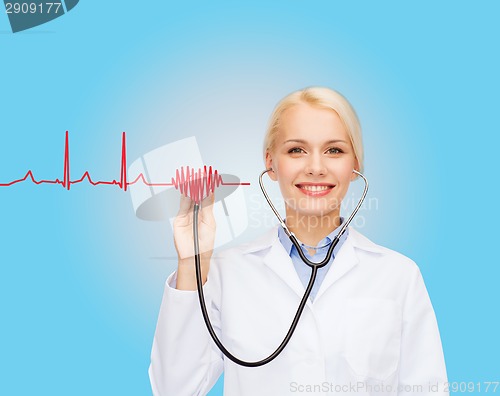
[288, 244]
[277, 259]
[358, 241]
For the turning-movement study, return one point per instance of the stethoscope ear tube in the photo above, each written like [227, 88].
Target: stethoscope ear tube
[292, 236]
[314, 270]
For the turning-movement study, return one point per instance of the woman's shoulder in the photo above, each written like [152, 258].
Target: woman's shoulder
[256, 244]
[376, 253]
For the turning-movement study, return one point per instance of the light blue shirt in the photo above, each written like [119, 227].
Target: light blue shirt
[303, 270]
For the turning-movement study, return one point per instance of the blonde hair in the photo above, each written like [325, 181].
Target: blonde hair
[323, 98]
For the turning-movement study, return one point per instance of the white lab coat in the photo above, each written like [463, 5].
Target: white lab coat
[371, 330]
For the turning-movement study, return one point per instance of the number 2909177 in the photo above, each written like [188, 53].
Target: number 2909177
[33, 8]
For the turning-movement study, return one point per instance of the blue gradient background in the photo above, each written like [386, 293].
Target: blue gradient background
[81, 278]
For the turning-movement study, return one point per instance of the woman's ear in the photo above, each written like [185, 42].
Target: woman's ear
[269, 165]
[356, 167]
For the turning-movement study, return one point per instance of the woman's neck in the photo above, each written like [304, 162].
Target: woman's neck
[312, 229]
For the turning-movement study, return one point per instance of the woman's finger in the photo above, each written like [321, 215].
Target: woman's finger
[207, 208]
[208, 201]
[186, 206]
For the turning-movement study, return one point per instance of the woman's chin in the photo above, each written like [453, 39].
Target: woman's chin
[313, 212]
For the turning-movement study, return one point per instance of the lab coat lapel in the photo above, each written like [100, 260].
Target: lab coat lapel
[280, 262]
[345, 260]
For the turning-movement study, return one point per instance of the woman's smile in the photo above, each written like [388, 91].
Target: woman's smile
[315, 189]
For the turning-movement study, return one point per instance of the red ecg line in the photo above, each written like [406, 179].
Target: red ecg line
[196, 185]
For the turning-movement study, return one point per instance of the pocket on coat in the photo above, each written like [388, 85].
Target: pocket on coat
[373, 337]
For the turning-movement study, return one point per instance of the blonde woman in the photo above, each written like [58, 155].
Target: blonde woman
[368, 327]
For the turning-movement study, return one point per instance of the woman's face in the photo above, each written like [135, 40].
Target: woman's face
[312, 160]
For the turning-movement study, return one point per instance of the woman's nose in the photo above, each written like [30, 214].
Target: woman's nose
[316, 166]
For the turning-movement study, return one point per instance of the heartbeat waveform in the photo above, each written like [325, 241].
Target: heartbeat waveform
[197, 185]
[194, 184]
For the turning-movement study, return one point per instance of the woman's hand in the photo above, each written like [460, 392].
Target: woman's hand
[183, 239]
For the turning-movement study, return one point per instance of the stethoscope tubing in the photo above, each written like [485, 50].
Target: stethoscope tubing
[314, 270]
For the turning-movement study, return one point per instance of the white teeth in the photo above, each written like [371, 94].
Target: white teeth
[315, 188]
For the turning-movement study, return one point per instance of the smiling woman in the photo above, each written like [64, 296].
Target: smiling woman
[310, 151]
[368, 326]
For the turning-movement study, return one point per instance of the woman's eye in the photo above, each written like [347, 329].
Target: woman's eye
[295, 150]
[334, 150]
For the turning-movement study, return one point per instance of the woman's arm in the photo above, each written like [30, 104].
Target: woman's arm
[184, 360]
[422, 366]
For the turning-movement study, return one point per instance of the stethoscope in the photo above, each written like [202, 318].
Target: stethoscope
[314, 269]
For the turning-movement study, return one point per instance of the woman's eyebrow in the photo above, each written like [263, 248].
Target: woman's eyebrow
[305, 142]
